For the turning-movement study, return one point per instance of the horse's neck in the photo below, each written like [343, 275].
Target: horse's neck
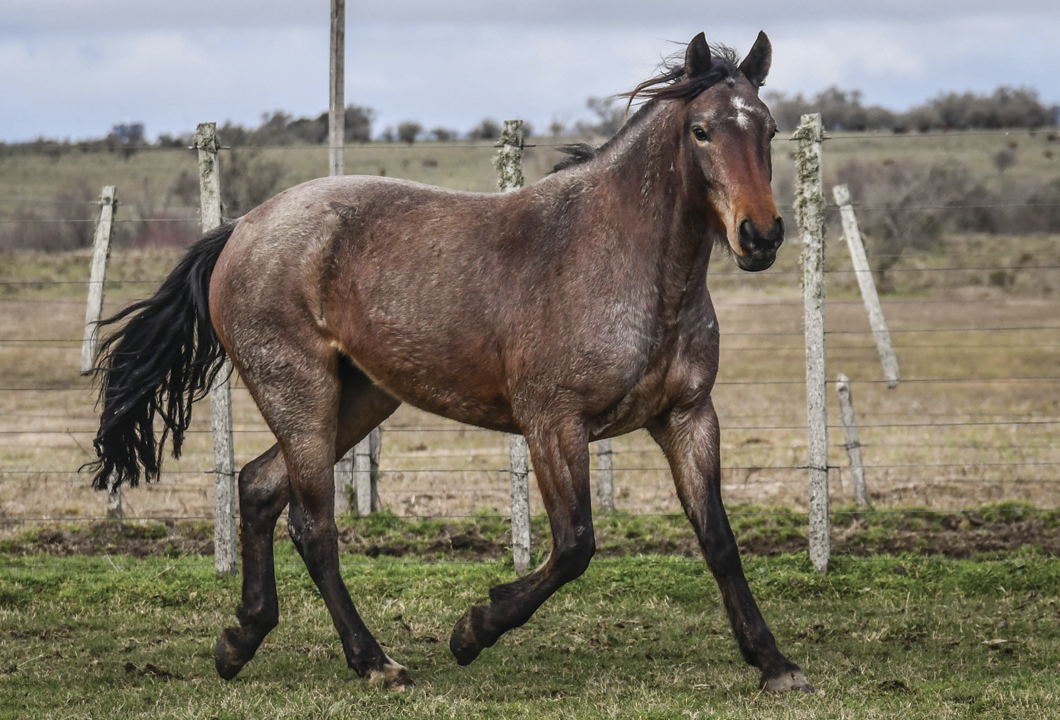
[651, 181]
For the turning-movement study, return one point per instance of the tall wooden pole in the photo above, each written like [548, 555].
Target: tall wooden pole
[337, 105]
[346, 472]
[809, 213]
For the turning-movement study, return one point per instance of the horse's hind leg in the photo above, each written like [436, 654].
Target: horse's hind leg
[265, 489]
[263, 494]
[311, 524]
[561, 463]
[690, 439]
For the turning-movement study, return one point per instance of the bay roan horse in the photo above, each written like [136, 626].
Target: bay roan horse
[571, 310]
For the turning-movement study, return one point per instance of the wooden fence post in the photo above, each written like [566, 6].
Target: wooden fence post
[375, 446]
[868, 287]
[343, 482]
[224, 498]
[115, 511]
[100, 255]
[809, 213]
[605, 484]
[94, 310]
[337, 105]
[852, 443]
[509, 165]
[362, 477]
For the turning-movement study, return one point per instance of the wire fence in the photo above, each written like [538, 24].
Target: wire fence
[973, 422]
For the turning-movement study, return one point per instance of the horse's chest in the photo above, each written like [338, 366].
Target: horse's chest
[680, 360]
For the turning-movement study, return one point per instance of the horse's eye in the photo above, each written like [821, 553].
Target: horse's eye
[701, 134]
[772, 133]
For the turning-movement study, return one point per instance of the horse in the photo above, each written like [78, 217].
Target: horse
[572, 310]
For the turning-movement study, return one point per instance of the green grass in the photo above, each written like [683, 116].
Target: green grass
[635, 637]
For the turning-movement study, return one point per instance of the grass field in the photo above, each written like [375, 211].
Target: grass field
[637, 637]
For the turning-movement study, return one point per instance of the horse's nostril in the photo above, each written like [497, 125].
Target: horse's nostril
[776, 233]
[746, 232]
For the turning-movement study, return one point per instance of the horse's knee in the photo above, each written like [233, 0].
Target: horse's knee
[263, 486]
[571, 557]
[316, 539]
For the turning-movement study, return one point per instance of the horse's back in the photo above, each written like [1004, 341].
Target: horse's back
[400, 277]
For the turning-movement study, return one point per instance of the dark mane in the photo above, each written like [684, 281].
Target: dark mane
[670, 84]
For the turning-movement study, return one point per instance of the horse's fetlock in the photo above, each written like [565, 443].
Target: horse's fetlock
[261, 619]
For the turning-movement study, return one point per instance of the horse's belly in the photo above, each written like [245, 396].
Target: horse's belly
[455, 376]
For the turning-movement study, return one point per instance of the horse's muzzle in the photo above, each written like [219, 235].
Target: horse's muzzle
[760, 249]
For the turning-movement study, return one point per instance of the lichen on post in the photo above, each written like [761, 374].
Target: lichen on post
[509, 159]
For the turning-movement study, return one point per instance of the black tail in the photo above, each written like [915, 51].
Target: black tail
[160, 362]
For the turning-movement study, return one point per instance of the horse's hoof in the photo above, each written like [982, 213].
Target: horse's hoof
[392, 677]
[464, 644]
[788, 680]
[226, 657]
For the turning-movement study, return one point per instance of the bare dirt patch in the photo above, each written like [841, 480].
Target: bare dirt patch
[960, 535]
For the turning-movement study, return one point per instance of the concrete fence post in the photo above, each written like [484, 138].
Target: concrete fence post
[509, 165]
[605, 483]
[225, 533]
[809, 213]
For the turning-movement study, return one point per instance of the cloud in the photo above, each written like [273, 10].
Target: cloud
[115, 15]
[73, 69]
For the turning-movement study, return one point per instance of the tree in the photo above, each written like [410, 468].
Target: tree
[610, 118]
[908, 206]
[408, 131]
[249, 179]
[359, 123]
[443, 134]
[488, 129]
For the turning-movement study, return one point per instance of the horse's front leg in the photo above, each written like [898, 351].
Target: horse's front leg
[561, 463]
[690, 438]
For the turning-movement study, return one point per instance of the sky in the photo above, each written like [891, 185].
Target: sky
[71, 69]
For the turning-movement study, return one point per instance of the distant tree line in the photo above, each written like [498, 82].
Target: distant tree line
[1004, 108]
[281, 128]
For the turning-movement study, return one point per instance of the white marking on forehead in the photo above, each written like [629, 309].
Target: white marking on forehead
[743, 117]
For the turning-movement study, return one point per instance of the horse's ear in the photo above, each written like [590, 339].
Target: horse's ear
[755, 66]
[697, 56]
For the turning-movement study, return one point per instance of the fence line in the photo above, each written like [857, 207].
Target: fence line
[619, 454]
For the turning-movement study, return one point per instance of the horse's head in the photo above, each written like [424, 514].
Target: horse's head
[727, 130]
